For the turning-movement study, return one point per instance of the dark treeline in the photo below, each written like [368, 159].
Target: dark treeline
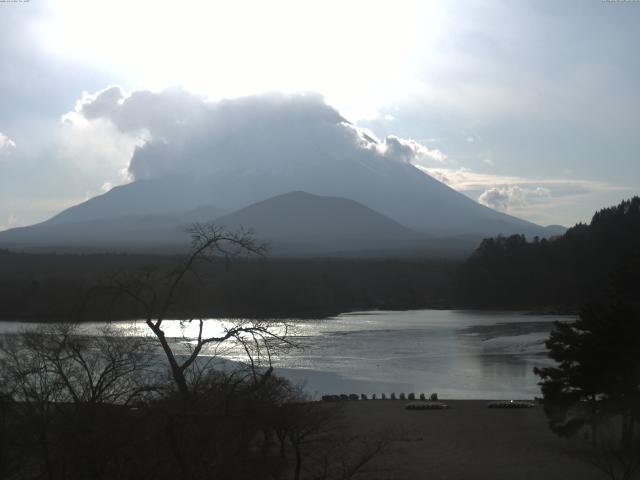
[61, 287]
[565, 272]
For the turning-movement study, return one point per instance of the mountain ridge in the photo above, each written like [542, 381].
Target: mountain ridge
[414, 200]
[295, 224]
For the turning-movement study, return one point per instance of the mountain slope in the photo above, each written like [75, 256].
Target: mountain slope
[123, 233]
[299, 221]
[160, 196]
[399, 191]
[295, 223]
[237, 152]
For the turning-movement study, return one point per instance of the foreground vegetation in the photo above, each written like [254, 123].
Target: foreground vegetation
[593, 388]
[78, 407]
[74, 406]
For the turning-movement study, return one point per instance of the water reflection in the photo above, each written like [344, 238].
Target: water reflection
[459, 354]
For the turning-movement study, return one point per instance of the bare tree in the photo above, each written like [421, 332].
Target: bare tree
[209, 242]
[57, 363]
[55, 373]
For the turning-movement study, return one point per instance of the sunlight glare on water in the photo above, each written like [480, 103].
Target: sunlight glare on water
[459, 354]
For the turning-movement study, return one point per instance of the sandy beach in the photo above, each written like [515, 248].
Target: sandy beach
[466, 441]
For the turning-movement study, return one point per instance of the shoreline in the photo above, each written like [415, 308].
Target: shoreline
[466, 441]
[543, 311]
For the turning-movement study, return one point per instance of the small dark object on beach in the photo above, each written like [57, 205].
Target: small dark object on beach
[330, 398]
[511, 404]
[427, 406]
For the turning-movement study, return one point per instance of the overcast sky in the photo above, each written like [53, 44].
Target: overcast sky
[531, 107]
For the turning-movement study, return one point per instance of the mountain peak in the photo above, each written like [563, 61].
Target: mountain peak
[235, 152]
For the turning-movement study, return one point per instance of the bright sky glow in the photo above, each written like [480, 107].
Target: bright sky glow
[229, 49]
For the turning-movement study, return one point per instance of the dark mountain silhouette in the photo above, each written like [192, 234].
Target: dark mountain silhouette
[153, 213]
[294, 224]
[124, 233]
[397, 190]
[299, 222]
[161, 196]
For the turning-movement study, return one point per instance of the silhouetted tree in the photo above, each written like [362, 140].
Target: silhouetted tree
[563, 272]
[209, 241]
[64, 387]
[596, 379]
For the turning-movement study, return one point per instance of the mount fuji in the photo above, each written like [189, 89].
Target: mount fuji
[219, 158]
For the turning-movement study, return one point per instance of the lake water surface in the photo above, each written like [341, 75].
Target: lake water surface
[458, 354]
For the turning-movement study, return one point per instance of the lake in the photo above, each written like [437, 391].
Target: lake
[458, 354]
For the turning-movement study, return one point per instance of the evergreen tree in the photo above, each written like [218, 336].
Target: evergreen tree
[598, 371]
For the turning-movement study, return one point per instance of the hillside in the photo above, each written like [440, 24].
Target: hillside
[299, 221]
[294, 224]
[563, 272]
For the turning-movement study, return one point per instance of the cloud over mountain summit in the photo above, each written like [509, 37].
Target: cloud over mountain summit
[185, 133]
[183, 150]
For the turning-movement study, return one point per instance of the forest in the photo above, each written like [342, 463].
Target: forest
[43, 287]
[560, 273]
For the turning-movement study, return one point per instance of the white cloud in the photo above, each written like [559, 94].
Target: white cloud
[466, 179]
[506, 199]
[93, 146]
[174, 131]
[409, 151]
[495, 198]
[100, 103]
[540, 200]
[7, 146]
